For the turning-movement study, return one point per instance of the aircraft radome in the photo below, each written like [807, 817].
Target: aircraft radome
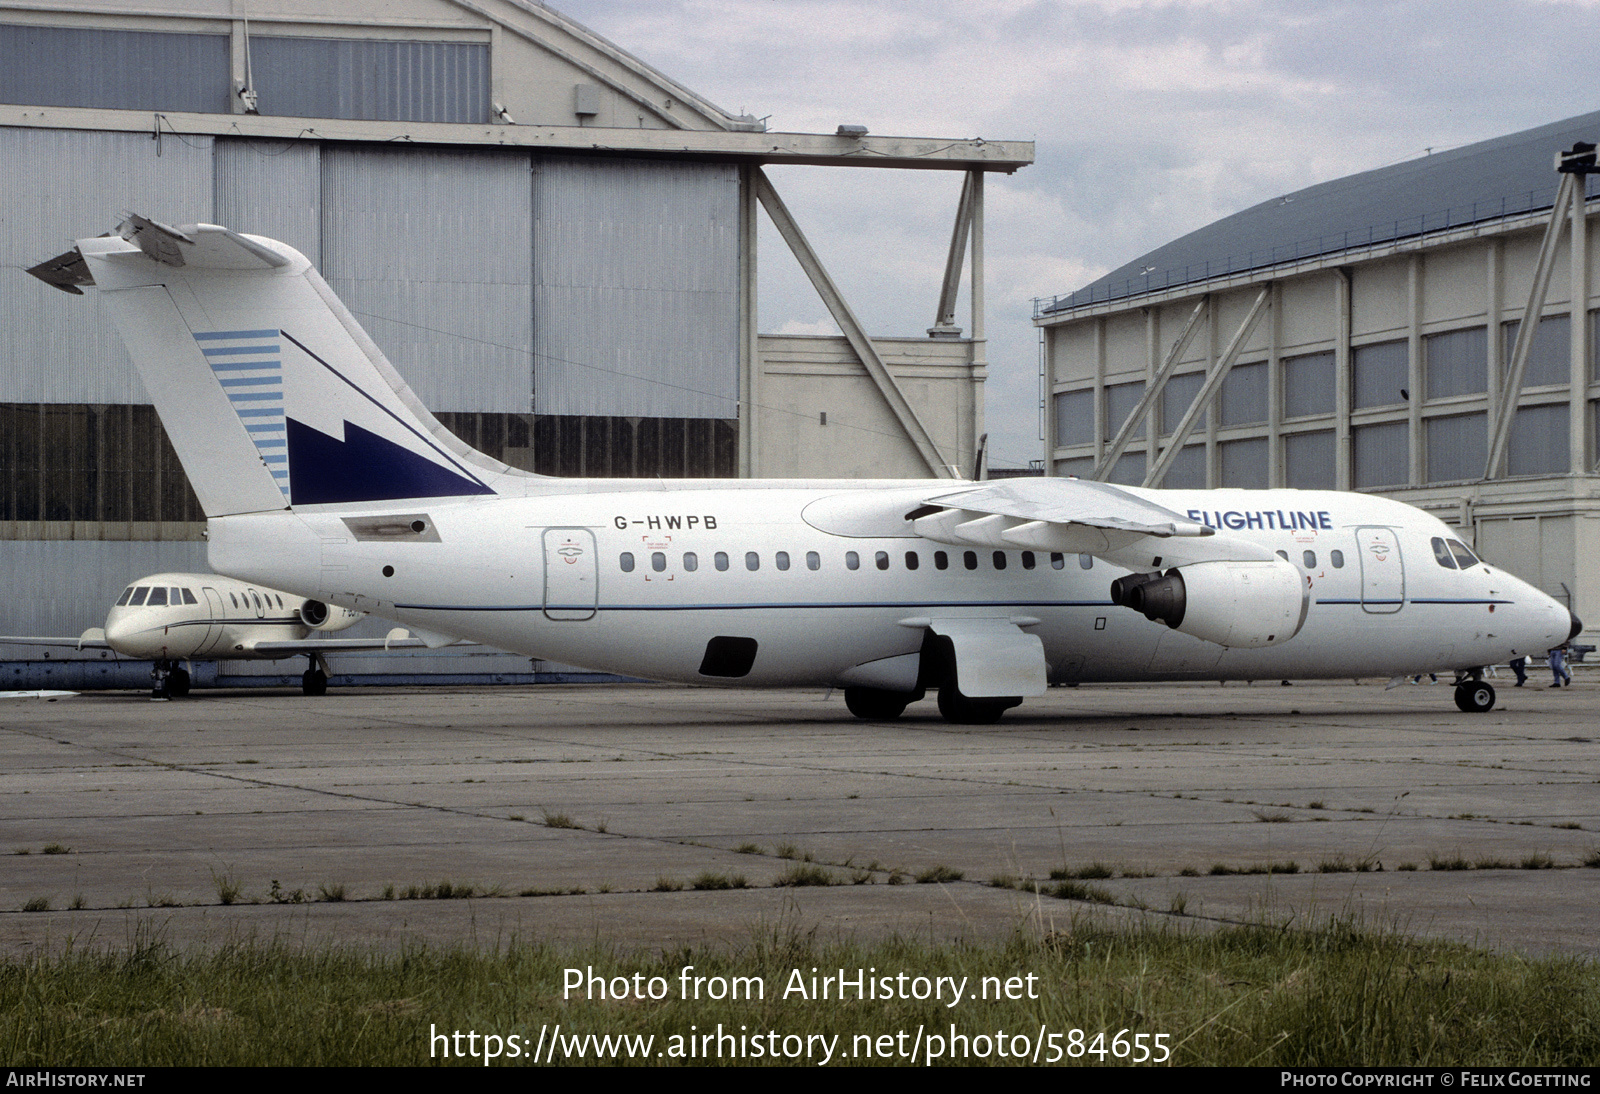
[321, 472]
[173, 619]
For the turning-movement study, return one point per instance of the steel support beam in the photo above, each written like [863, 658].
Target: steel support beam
[834, 300]
[945, 321]
[1151, 393]
[1209, 389]
[1511, 393]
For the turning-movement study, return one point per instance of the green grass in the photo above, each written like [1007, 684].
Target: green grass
[1340, 995]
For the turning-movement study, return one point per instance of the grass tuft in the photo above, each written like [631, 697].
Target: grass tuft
[938, 874]
[710, 880]
[802, 874]
[558, 820]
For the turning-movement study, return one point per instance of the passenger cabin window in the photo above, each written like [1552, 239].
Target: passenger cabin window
[1337, 558]
[1058, 561]
[1442, 555]
[912, 561]
[941, 560]
[691, 561]
[658, 561]
[881, 560]
[969, 559]
[626, 560]
[1284, 555]
[999, 560]
[1028, 561]
[1085, 562]
[158, 597]
[1310, 559]
[852, 561]
[813, 560]
[1464, 556]
[127, 594]
[752, 561]
[781, 560]
[138, 596]
[720, 560]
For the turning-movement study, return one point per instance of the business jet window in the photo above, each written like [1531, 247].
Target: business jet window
[658, 561]
[881, 560]
[1028, 561]
[158, 597]
[781, 560]
[138, 596]
[1463, 555]
[912, 561]
[999, 560]
[1337, 558]
[813, 560]
[852, 561]
[720, 560]
[1442, 555]
[626, 560]
[127, 594]
[969, 559]
[234, 599]
[1085, 562]
[752, 561]
[941, 560]
[691, 561]
[1310, 559]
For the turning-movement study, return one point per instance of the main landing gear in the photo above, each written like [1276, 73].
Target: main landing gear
[1473, 695]
[314, 681]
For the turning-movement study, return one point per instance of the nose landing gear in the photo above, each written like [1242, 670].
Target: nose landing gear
[168, 681]
[1473, 695]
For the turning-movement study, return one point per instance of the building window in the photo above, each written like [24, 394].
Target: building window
[1381, 374]
[1309, 385]
[1120, 401]
[1538, 444]
[1075, 417]
[1244, 463]
[1550, 354]
[1175, 399]
[1457, 362]
[1457, 446]
[1380, 455]
[1188, 470]
[1244, 395]
[1128, 470]
[1309, 461]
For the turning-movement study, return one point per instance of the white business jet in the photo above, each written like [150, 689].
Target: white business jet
[321, 472]
[174, 619]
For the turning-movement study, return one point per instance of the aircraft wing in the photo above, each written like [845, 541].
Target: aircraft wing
[1077, 517]
[397, 639]
[92, 639]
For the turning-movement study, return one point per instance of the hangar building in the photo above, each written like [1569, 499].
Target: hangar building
[553, 242]
[1359, 335]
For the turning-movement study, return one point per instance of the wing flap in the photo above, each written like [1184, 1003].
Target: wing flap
[994, 658]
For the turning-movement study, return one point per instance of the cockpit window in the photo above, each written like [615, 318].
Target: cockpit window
[158, 597]
[1441, 554]
[126, 593]
[1464, 556]
[188, 597]
[174, 595]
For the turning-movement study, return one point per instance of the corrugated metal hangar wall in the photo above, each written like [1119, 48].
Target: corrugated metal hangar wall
[573, 294]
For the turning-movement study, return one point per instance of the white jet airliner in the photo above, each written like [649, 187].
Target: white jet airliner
[320, 471]
[173, 619]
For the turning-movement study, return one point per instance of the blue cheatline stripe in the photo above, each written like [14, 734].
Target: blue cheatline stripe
[910, 604]
[219, 335]
[260, 412]
[239, 351]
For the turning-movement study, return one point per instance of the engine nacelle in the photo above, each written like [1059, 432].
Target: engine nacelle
[326, 617]
[1249, 605]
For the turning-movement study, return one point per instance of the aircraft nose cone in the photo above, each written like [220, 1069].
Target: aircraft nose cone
[1577, 625]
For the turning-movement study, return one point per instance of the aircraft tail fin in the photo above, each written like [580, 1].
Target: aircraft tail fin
[272, 393]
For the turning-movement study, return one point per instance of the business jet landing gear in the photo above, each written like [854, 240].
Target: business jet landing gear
[878, 705]
[1474, 696]
[168, 681]
[314, 681]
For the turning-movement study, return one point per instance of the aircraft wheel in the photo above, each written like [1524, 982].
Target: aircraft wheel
[1475, 697]
[875, 704]
[178, 683]
[961, 710]
[314, 682]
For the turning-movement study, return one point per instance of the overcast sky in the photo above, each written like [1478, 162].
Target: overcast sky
[1150, 118]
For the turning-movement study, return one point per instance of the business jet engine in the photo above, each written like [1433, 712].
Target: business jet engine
[1249, 605]
[325, 617]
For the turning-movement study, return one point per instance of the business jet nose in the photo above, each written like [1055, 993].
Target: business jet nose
[1577, 625]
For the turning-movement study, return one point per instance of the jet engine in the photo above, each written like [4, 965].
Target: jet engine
[1240, 604]
[324, 617]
